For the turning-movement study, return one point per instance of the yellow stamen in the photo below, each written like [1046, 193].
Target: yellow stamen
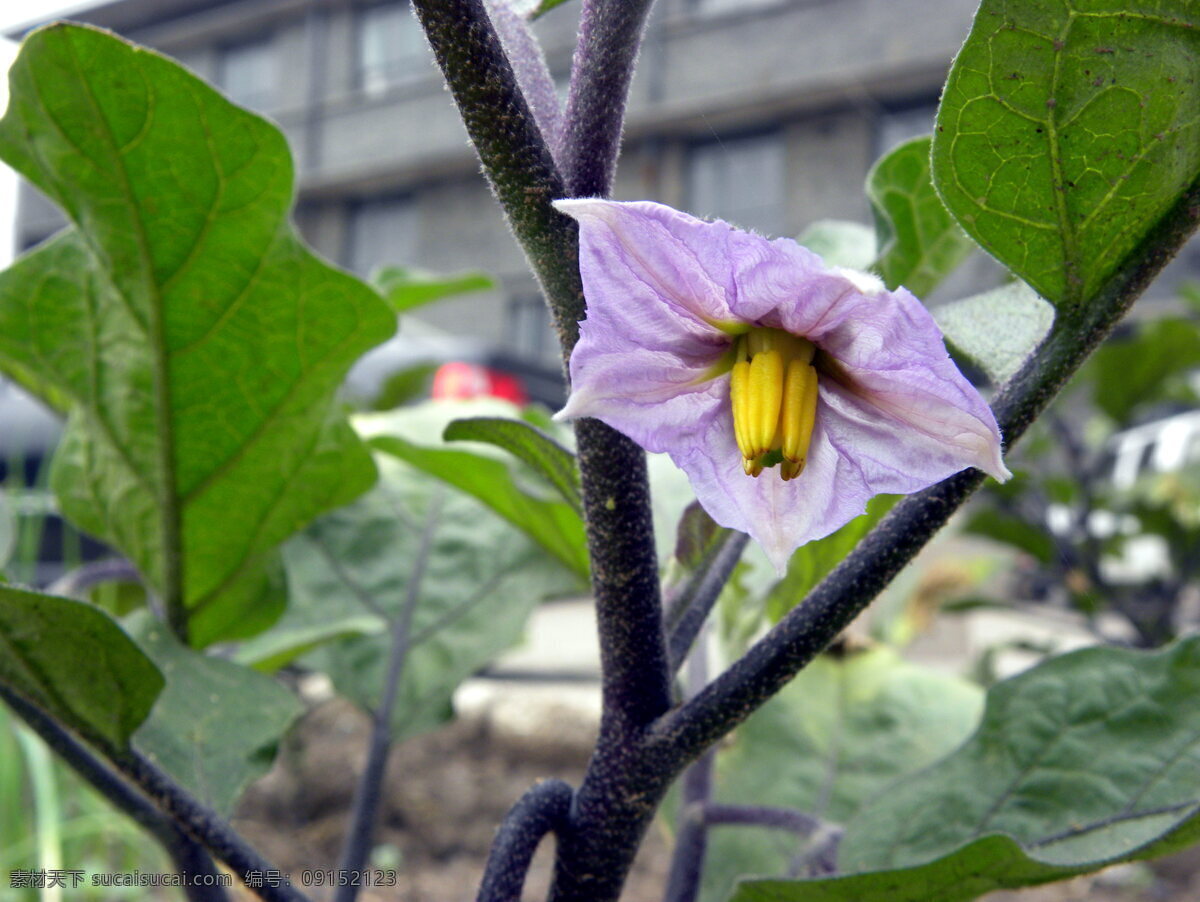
[773, 396]
[797, 417]
[766, 394]
[740, 400]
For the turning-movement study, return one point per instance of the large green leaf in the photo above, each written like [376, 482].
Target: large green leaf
[997, 329]
[554, 525]
[529, 444]
[72, 661]
[919, 242]
[199, 342]
[1085, 760]
[480, 582]
[216, 725]
[834, 738]
[810, 563]
[1067, 128]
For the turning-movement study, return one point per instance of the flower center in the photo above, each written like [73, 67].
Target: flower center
[773, 393]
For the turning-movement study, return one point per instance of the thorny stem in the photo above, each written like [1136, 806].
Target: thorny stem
[543, 809]
[368, 792]
[190, 858]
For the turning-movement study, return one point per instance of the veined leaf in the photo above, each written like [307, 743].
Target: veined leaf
[834, 738]
[1085, 760]
[216, 725]
[356, 565]
[527, 443]
[552, 524]
[72, 661]
[1066, 130]
[919, 241]
[199, 343]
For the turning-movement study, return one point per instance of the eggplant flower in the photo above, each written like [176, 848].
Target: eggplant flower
[788, 391]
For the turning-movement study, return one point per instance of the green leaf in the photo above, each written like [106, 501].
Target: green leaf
[919, 242]
[354, 566]
[404, 386]
[8, 529]
[199, 342]
[1086, 760]
[72, 661]
[997, 329]
[811, 563]
[840, 243]
[1066, 130]
[216, 725]
[832, 740]
[407, 288]
[1031, 538]
[541, 7]
[525, 442]
[1140, 370]
[552, 524]
[996, 862]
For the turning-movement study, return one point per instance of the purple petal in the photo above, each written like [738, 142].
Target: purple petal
[906, 414]
[662, 264]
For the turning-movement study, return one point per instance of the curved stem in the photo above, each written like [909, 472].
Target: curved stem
[202, 880]
[543, 809]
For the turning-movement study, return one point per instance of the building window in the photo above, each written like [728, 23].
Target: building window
[246, 73]
[741, 180]
[381, 233]
[391, 47]
[895, 127]
[530, 334]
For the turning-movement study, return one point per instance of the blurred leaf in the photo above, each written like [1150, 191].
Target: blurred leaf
[407, 288]
[216, 725]
[1064, 135]
[919, 242]
[536, 8]
[525, 442]
[199, 342]
[811, 563]
[840, 243]
[352, 568]
[697, 537]
[8, 529]
[997, 329]
[1033, 539]
[404, 386]
[1139, 370]
[77, 665]
[552, 524]
[832, 740]
[995, 862]
[1086, 760]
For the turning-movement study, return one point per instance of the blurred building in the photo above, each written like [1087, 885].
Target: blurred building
[767, 113]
